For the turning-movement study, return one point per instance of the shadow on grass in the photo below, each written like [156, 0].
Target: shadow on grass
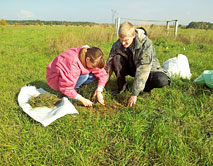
[45, 86]
[111, 85]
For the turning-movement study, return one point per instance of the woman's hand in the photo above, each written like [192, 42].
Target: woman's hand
[100, 97]
[85, 102]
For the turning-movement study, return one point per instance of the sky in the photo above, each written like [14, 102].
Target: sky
[104, 11]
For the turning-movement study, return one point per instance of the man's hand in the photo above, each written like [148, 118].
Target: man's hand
[100, 97]
[132, 100]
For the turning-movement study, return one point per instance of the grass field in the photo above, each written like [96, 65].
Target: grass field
[170, 126]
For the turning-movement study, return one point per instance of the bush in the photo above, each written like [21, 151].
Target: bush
[200, 25]
[3, 22]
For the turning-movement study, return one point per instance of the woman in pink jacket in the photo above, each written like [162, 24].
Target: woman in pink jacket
[76, 67]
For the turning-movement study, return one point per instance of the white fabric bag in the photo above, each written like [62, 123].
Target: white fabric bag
[44, 115]
[177, 66]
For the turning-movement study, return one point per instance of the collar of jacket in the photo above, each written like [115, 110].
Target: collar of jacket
[136, 44]
[139, 43]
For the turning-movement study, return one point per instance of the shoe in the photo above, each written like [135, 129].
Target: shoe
[124, 88]
[169, 82]
[115, 93]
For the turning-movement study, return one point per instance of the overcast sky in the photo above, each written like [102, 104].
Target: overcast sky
[103, 11]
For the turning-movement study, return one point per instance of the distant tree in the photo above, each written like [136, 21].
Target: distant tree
[35, 23]
[152, 26]
[41, 23]
[3, 22]
[16, 23]
[200, 25]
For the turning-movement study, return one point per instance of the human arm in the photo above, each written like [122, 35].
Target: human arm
[69, 75]
[99, 96]
[143, 68]
[102, 78]
[139, 82]
[71, 93]
[85, 102]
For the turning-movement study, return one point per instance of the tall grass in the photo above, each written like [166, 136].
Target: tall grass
[96, 35]
[170, 126]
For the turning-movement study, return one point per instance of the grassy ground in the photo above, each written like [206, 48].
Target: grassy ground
[170, 126]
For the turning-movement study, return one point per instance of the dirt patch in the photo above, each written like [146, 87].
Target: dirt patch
[107, 109]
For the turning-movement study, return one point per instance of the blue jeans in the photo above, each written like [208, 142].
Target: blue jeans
[85, 79]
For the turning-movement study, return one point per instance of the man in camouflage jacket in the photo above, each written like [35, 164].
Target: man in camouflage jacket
[134, 54]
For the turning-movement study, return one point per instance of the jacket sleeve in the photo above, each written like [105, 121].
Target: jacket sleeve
[143, 68]
[68, 79]
[101, 76]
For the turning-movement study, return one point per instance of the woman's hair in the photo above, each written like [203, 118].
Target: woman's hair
[95, 54]
[126, 29]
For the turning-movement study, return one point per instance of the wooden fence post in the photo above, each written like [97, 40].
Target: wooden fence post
[176, 27]
[167, 27]
[117, 25]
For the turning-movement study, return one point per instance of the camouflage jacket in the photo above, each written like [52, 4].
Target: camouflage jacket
[144, 59]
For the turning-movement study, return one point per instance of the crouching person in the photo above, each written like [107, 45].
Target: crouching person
[134, 54]
[76, 67]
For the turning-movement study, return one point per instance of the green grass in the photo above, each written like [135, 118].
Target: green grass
[170, 126]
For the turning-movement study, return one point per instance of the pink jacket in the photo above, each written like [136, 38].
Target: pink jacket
[63, 72]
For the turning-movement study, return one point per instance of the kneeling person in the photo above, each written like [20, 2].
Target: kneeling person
[134, 54]
[76, 67]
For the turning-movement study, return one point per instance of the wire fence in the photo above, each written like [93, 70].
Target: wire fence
[135, 21]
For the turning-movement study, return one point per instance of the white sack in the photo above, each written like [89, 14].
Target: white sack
[177, 66]
[44, 115]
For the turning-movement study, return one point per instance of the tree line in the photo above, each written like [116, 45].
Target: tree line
[200, 25]
[195, 25]
[39, 22]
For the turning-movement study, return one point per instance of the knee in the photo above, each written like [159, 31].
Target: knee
[159, 79]
[91, 77]
[84, 77]
[163, 79]
[119, 64]
[118, 60]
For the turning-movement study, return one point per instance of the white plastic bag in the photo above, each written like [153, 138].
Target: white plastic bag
[44, 115]
[177, 66]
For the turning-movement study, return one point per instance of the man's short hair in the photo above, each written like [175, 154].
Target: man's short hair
[126, 29]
